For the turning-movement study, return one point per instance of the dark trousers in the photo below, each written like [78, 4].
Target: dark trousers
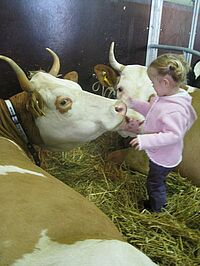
[156, 186]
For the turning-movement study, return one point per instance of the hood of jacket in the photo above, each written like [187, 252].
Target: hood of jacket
[184, 101]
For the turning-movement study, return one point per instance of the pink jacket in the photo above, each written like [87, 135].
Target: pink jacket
[167, 119]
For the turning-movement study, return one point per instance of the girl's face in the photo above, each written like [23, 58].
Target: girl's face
[161, 84]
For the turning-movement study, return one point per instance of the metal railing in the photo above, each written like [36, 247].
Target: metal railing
[154, 33]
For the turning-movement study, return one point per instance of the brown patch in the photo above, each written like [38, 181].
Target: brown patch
[35, 104]
[106, 75]
[73, 76]
[26, 119]
[63, 104]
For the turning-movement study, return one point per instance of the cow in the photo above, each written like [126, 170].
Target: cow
[132, 81]
[44, 221]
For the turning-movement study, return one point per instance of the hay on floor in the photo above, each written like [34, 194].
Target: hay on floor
[168, 238]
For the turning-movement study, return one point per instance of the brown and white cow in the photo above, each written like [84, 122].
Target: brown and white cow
[43, 221]
[132, 81]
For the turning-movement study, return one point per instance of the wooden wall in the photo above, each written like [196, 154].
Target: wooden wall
[176, 26]
[80, 32]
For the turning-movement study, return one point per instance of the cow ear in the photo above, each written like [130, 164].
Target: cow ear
[106, 75]
[73, 76]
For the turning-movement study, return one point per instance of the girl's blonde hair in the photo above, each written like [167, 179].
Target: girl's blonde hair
[173, 65]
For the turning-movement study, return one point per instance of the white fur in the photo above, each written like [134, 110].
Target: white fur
[5, 169]
[135, 83]
[91, 252]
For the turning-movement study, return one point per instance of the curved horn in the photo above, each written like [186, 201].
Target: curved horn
[23, 80]
[113, 62]
[56, 63]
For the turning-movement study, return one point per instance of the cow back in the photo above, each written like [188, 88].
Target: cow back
[33, 201]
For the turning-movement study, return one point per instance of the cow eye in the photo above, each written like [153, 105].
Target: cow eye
[63, 104]
[63, 101]
[120, 89]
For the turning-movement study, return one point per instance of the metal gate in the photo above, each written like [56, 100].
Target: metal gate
[154, 33]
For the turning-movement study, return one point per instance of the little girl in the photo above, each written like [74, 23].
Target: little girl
[167, 118]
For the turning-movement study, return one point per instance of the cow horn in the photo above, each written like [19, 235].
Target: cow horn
[56, 63]
[23, 80]
[113, 62]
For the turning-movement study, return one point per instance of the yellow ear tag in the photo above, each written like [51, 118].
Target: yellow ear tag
[105, 79]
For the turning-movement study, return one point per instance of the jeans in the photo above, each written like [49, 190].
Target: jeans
[156, 186]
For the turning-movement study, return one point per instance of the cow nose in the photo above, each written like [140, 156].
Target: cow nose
[121, 108]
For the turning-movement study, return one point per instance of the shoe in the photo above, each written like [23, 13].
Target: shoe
[147, 205]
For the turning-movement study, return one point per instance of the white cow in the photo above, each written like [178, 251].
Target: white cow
[127, 81]
[44, 222]
[132, 81]
[65, 114]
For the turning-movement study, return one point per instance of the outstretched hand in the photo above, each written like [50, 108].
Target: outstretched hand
[134, 143]
[132, 125]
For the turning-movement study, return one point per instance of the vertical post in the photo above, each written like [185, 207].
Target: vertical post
[193, 29]
[154, 30]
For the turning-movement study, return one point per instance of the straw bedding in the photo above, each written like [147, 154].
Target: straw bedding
[169, 238]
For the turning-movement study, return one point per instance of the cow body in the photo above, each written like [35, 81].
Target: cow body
[43, 221]
[133, 82]
[33, 201]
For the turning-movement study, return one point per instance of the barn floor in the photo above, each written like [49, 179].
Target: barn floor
[169, 238]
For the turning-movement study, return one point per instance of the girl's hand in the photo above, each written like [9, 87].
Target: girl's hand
[132, 125]
[134, 143]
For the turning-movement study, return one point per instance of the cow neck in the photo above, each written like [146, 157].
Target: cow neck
[8, 128]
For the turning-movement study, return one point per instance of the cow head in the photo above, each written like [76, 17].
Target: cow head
[65, 114]
[128, 81]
